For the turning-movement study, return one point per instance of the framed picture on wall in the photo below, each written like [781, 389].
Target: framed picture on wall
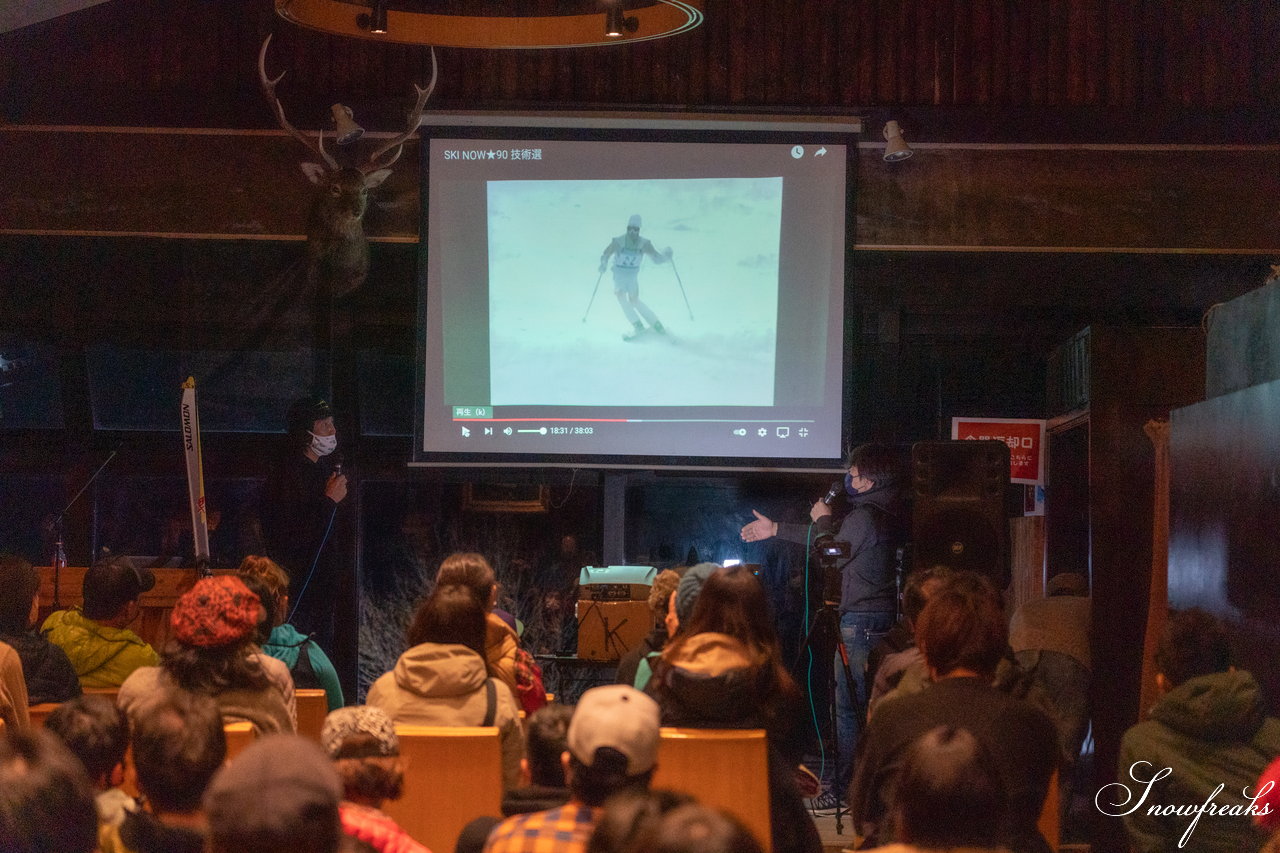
[505, 497]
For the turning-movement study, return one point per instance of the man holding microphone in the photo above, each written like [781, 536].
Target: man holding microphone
[874, 525]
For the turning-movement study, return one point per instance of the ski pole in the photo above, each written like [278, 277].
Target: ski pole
[593, 296]
[681, 283]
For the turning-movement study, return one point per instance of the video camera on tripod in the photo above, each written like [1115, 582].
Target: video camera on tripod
[831, 554]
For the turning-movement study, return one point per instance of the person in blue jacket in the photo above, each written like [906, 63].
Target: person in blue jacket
[307, 662]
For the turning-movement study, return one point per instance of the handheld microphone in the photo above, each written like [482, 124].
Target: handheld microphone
[836, 488]
[337, 462]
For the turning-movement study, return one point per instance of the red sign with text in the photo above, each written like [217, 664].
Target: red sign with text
[1024, 436]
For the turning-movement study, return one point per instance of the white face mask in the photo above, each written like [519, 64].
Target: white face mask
[323, 445]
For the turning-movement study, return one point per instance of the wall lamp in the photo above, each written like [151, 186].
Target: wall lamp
[347, 131]
[895, 147]
[616, 24]
[374, 21]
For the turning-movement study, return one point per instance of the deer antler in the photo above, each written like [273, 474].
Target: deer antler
[415, 118]
[269, 89]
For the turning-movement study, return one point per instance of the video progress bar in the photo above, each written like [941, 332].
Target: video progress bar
[642, 420]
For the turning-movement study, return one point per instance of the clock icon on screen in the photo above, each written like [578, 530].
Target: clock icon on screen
[797, 151]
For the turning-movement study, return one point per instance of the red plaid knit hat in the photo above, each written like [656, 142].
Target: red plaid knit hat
[217, 611]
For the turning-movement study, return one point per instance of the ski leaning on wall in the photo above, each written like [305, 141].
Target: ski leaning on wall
[195, 474]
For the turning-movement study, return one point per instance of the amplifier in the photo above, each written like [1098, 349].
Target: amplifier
[609, 629]
[615, 583]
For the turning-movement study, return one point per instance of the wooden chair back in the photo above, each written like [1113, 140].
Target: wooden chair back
[313, 707]
[453, 774]
[39, 713]
[1050, 821]
[112, 693]
[724, 768]
[239, 736]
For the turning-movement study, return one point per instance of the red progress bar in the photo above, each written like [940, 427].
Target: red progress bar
[540, 420]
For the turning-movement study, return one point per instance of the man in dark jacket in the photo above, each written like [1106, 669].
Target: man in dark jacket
[48, 672]
[963, 635]
[542, 782]
[300, 514]
[178, 745]
[1203, 748]
[874, 526]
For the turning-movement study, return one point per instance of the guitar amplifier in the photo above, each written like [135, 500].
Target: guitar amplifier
[615, 583]
[609, 629]
[613, 610]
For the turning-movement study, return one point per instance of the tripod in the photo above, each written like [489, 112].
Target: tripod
[823, 639]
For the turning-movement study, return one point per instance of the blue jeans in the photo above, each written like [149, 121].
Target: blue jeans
[860, 633]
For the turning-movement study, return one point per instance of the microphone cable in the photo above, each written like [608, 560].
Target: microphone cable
[314, 562]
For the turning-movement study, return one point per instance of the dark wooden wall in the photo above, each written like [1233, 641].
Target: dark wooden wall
[1012, 66]
[971, 263]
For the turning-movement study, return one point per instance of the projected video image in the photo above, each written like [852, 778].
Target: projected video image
[716, 297]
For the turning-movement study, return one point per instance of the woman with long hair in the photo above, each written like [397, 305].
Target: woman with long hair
[723, 669]
[442, 680]
[213, 651]
[732, 622]
[473, 571]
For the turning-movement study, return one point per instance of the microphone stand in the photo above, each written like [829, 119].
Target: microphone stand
[59, 547]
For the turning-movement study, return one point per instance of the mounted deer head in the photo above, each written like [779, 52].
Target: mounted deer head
[337, 250]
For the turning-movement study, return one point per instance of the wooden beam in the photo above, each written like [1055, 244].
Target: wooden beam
[223, 185]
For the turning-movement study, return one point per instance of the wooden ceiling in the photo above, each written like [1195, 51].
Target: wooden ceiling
[958, 70]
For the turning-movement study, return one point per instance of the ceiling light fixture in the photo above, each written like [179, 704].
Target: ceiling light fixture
[404, 25]
[376, 21]
[616, 23]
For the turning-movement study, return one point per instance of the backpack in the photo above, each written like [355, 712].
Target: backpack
[531, 693]
[304, 674]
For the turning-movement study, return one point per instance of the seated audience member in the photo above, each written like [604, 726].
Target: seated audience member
[723, 669]
[212, 652]
[500, 642]
[542, 782]
[887, 671]
[48, 672]
[1268, 789]
[365, 749]
[178, 744]
[442, 680]
[46, 803]
[1050, 641]
[504, 656]
[308, 665]
[13, 690]
[97, 733]
[686, 595]
[613, 747]
[280, 795]
[1210, 728]
[696, 828]
[963, 636]
[630, 818]
[96, 636]
[949, 796]
[680, 605]
[636, 665]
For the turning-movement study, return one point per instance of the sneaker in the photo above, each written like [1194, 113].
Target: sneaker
[826, 803]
